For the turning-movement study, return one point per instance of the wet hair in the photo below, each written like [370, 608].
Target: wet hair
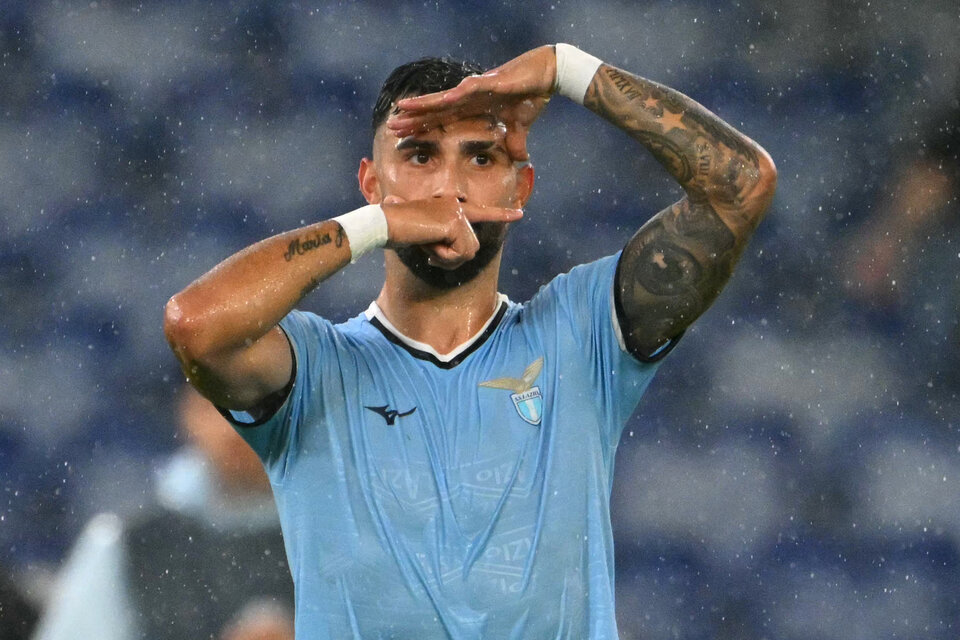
[418, 78]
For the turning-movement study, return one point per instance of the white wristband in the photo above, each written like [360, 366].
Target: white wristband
[575, 71]
[365, 228]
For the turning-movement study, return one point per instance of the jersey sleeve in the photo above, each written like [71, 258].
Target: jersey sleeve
[274, 437]
[582, 303]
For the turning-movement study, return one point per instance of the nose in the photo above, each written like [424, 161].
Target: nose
[449, 182]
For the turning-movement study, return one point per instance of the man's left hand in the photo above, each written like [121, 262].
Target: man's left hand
[514, 93]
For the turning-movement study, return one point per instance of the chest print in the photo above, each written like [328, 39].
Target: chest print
[526, 397]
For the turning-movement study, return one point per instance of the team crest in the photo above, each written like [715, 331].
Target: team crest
[526, 397]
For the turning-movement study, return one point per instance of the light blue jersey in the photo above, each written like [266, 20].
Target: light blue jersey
[460, 496]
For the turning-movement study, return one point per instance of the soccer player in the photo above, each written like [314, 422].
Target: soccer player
[442, 462]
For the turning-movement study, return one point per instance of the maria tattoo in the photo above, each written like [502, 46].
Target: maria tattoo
[300, 246]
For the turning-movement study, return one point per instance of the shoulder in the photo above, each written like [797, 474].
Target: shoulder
[578, 303]
[583, 284]
[308, 328]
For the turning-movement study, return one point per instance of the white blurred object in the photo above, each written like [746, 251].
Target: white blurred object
[46, 169]
[89, 599]
[823, 381]
[813, 600]
[725, 499]
[97, 42]
[909, 487]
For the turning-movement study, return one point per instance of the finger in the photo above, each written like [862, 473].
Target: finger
[408, 125]
[428, 101]
[464, 247]
[430, 118]
[516, 144]
[494, 81]
[442, 99]
[491, 214]
[471, 85]
[444, 256]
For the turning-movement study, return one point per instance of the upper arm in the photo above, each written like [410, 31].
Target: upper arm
[676, 264]
[671, 270]
[241, 378]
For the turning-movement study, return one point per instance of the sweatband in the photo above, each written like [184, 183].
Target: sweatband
[365, 228]
[575, 70]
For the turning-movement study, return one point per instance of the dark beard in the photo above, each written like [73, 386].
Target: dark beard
[489, 234]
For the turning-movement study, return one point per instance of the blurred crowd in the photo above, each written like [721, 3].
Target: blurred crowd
[794, 470]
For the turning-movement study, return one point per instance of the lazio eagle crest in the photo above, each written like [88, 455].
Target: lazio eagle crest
[526, 397]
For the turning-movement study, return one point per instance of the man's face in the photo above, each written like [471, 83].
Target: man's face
[465, 159]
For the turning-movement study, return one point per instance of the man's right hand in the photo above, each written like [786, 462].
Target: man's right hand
[441, 226]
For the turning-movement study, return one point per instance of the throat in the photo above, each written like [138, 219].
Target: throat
[444, 320]
[441, 330]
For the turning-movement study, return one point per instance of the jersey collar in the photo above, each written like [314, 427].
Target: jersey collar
[424, 351]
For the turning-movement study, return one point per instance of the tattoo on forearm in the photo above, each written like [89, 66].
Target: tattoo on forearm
[300, 246]
[655, 96]
[719, 131]
[668, 153]
[310, 287]
[623, 84]
[706, 156]
[676, 265]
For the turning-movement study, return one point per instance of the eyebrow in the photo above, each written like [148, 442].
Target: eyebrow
[413, 143]
[468, 147]
[475, 146]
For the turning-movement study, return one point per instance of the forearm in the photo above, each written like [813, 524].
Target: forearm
[676, 264]
[241, 299]
[712, 161]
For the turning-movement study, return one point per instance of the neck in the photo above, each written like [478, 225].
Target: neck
[441, 318]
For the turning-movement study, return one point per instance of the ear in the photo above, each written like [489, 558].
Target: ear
[525, 180]
[369, 182]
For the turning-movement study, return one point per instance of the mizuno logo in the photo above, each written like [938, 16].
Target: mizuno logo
[526, 397]
[388, 414]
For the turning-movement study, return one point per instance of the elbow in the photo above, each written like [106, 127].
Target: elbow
[182, 332]
[764, 185]
[767, 182]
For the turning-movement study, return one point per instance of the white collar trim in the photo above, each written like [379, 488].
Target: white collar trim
[374, 311]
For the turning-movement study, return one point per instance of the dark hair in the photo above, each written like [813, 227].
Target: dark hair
[417, 78]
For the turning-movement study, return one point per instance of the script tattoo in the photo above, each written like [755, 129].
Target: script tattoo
[675, 265]
[300, 246]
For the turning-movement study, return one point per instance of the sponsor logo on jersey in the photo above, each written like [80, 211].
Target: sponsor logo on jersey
[388, 414]
[527, 398]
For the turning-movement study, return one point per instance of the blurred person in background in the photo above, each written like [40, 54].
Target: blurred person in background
[902, 265]
[260, 620]
[18, 616]
[193, 562]
[443, 462]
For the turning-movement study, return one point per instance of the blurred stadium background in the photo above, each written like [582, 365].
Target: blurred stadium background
[794, 471]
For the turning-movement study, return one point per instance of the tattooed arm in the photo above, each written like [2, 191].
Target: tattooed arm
[676, 264]
[223, 327]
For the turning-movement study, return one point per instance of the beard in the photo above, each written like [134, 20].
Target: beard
[490, 235]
